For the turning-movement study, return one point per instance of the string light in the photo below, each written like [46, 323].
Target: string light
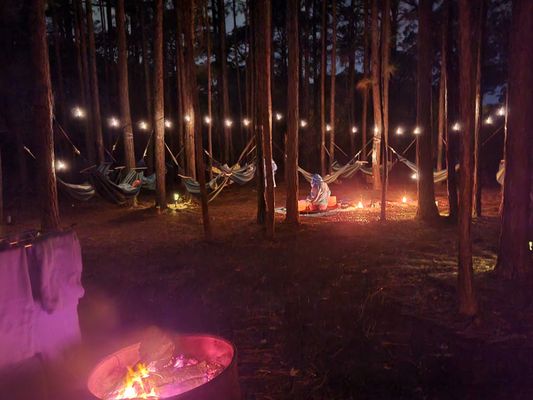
[376, 130]
[143, 125]
[228, 122]
[187, 118]
[414, 176]
[456, 127]
[168, 123]
[60, 165]
[279, 117]
[328, 127]
[489, 120]
[417, 130]
[303, 123]
[207, 120]
[114, 122]
[501, 111]
[246, 122]
[354, 129]
[399, 131]
[78, 112]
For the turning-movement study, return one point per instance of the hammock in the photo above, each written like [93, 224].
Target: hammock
[81, 192]
[438, 176]
[148, 182]
[345, 171]
[237, 174]
[500, 175]
[119, 190]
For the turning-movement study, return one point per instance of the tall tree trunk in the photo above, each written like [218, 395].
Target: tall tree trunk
[180, 86]
[223, 79]
[385, 77]
[443, 89]
[95, 94]
[146, 65]
[323, 68]
[263, 43]
[376, 98]
[84, 80]
[207, 20]
[479, 97]
[159, 107]
[332, 90]
[123, 89]
[189, 92]
[466, 293]
[59, 97]
[42, 117]
[292, 113]
[237, 68]
[427, 210]
[366, 72]
[514, 257]
[351, 74]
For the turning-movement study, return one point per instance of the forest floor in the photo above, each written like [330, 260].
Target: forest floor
[342, 307]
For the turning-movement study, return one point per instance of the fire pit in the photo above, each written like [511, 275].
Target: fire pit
[181, 367]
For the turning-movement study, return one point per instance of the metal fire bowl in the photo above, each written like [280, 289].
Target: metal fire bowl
[224, 386]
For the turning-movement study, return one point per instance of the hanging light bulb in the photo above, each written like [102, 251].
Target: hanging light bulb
[279, 117]
[168, 123]
[501, 111]
[303, 123]
[328, 127]
[114, 122]
[78, 112]
[60, 165]
[143, 125]
[187, 118]
[354, 129]
[228, 122]
[376, 130]
[417, 130]
[246, 122]
[399, 131]
[456, 127]
[207, 120]
[414, 176]
[489, 120]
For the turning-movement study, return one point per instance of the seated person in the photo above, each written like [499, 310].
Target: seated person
[319, 196]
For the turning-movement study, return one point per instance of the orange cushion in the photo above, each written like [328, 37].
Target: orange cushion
[332, 201]
[302, 205]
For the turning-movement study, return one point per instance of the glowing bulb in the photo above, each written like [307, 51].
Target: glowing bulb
[360, 205]
[456, 127]
[228, 122]
[78, 112]
[354, 129]
[404, 199]
[168, 123]
[376, 130]
[328, 127]
[279, 117]
[417, 131]
[246, 122]
[399, 131]
[187, 118]
[114, 122]
[489, 121]
[303, 123]
[143, 125]
[414, 176]
[207, 119]
[176, 197]
[501, 111]
[60, 165]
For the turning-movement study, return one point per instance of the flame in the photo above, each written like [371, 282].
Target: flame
[404, 199]
[135, 385]
[360, 205]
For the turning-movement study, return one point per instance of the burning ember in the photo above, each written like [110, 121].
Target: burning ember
[161, 367]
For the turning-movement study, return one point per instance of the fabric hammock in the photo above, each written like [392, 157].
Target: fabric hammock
[119, 190]
[500, 175]
[345, 171]
[81, 192]
[237, 174]
[148, 182]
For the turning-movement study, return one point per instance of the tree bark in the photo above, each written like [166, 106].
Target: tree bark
[180, 83]
[385, 78]
[466, 293]
[209, 90]
[515, 257]
[443, 88]
[95, 94]
[376, 97]
[293, 215]
[59, 96]
[42, 117]
[237, 68]
[332, 88]
[123, 89]
[159, 113]
[427, 210]
[366, 72]
[323, 67]
[146, 66]
[263, 42]
[223, 79]
[351, 74]
[478, 96]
